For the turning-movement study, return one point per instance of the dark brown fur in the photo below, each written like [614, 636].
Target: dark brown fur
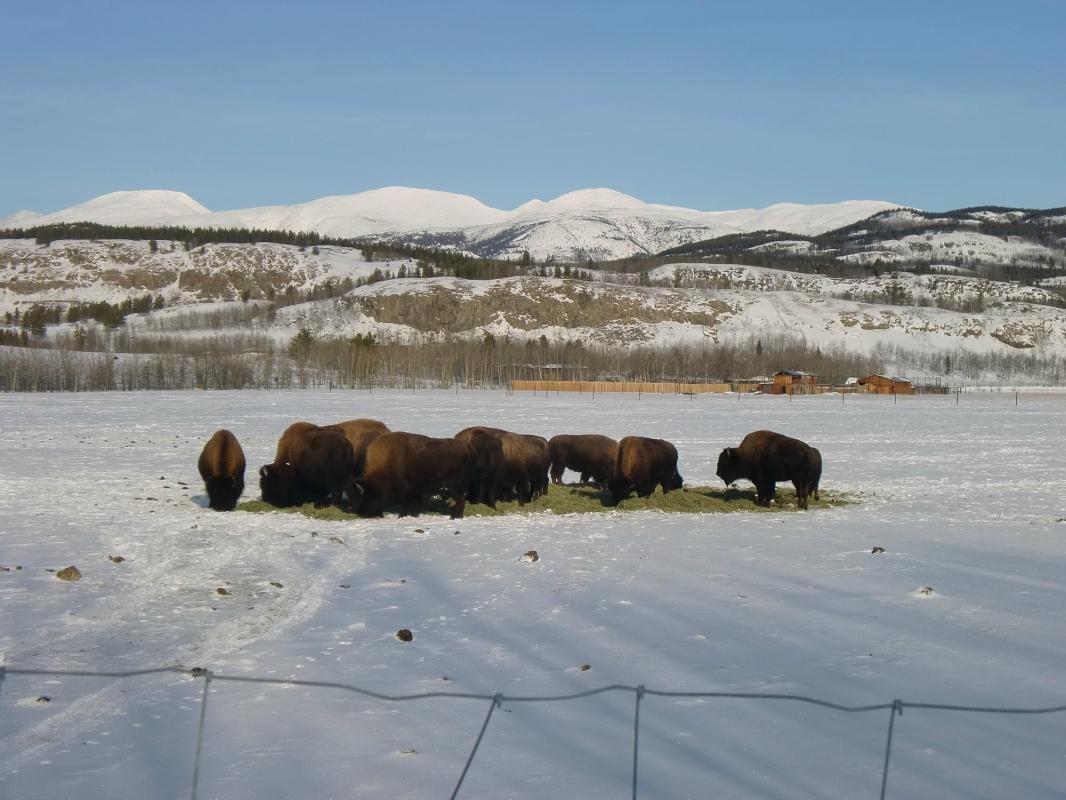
[643, 463]
[318, 465]
[488, 452]
[360, 432]
[404, 469]
[524, 473]
[589, 454]
[765, 457]
[289, 437]
[221, 465]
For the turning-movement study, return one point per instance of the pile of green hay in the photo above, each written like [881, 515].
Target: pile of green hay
[589, 500]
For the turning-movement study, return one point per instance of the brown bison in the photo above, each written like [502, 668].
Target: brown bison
[317, 466]
[489, 459]
[289, 437]
[765, 457]
[641, 464]
[360, 432]
[589, 454]
[816, 472]
[403, 469]
[538, 477]
[524, 473]
[221, 465]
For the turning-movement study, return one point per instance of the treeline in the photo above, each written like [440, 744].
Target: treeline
[34, 321]
[255, 361]
[444, 262]
[191, 237]
[250, 360]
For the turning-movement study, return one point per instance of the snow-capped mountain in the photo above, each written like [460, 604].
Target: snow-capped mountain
[378, 211]
[142, 207]
[600, 224]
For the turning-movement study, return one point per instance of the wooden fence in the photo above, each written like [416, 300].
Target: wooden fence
[602, 387]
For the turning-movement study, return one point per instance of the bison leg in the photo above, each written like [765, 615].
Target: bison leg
[557, 473]
[801, 492]
[460, 506]
[764, 492]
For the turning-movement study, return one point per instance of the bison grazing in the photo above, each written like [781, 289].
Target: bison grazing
[316, 468]
[221, 466]
[589, 454]
[403, 469]
[641, 464]
[488, 458]
[289, 437]
[816, 472]
[524, 472]
[360, 432]
[765, 457]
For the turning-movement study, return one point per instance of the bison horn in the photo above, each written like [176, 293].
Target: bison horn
[264, 471]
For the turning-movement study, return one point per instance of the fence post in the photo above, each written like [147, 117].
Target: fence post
[496, 701]
[897, 708]
[636, 736]
[206, 674]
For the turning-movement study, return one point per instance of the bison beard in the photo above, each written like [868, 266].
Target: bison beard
[642, 464]
[221, 465]
[319, 465]
[765, 457]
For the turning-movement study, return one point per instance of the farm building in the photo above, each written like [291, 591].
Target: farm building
[791, 381]
[885, 384]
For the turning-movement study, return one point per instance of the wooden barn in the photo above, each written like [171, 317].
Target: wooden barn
[791, 381]
[886, 384]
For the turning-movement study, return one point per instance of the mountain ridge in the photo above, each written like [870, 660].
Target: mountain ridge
[598, 223]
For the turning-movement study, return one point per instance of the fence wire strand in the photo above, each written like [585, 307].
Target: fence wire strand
[496, 700]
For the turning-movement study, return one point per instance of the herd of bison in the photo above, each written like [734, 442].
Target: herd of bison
[364, 468]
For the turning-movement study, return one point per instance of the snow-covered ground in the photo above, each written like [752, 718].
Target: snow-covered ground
[966, 499]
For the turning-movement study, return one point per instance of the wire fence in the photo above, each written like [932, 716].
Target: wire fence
[895, 708]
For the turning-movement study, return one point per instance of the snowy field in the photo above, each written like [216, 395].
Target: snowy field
[967, 499]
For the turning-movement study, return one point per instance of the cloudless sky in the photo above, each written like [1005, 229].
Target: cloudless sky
[711, 105]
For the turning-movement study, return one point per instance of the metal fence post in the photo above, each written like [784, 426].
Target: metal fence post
[206, 674]
[897, 708]
[636, 736]
[496, 701]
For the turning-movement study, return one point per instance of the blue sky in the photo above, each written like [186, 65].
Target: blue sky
[711, 105]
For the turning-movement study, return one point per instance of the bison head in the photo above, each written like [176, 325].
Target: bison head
[675, 481]
[728, 466]
[360, 497]
[279, 486]
[617, 490]
[223, 492]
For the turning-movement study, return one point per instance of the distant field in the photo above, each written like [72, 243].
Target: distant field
[589, 500]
